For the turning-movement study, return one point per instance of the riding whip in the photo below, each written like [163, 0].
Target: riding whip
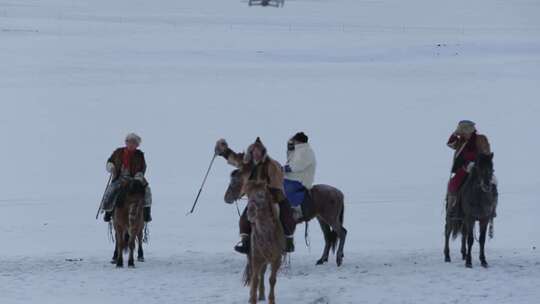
[101, 204]
[202, 186]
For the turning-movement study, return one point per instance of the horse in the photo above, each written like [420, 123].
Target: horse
[478, 201]
[267, 242]
[128, 222]
[328, 207]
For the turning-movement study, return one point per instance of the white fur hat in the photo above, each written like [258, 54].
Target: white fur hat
[134, 137]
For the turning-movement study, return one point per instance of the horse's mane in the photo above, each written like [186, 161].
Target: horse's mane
[134, 187]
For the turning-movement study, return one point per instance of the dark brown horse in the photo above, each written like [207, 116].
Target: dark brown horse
[328, 207]
[267, 241]
[477, 201]
[128, 221]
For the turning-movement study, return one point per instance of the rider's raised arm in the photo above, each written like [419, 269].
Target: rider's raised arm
[301, 160]
[453, 141]
[234, 159]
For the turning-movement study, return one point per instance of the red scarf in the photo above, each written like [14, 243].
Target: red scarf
[126, 158]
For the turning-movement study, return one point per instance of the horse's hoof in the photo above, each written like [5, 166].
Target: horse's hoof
[321, 262]
[113, 262]
[468, 265]
[119, 266]
[131, 266]
[448, 260]
[140, 259]
[485, 264]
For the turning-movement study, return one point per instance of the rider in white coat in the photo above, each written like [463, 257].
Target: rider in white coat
[299, 170]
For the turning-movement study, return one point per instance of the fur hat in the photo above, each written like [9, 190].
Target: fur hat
[134, 137]
[466, 127]
[301, 137]
[257, 144]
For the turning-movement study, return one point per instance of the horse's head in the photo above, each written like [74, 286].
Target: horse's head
[136, 187]
[484, 169]
[236, 183]
[131, 191]
[257, 192]
[259, 198]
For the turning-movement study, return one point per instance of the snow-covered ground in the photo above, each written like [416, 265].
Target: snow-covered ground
[378, 85]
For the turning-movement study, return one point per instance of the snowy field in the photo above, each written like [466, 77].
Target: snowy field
[378, 85]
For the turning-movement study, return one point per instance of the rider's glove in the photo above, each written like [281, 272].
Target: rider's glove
[139, 176]
[110, 167]
[469, 167]
[221, 147]
[287, 169]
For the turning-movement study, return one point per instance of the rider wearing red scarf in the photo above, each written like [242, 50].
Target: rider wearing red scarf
[468, 144]
[125, 162]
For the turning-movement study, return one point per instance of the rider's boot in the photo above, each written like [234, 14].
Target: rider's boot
[147, 214]
[289, 244]
[107, 217]
[243, 246]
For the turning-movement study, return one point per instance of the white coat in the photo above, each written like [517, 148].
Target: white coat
[303, 165]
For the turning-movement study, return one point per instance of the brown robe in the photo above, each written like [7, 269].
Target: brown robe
[137, 163]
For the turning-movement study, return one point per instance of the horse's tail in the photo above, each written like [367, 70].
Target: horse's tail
[333, 237]
[247, 272]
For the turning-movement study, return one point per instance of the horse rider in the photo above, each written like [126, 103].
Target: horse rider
[126, 163]
[263, 169]
[299, 174]
[468, 144]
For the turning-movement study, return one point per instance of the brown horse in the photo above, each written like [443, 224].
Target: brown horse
[478, 202]
[328, 207]
[128, 221]
[267, 241]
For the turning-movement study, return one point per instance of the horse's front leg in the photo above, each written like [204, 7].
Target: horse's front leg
[120, 248]
[464, 244]
[327, 232]
[140, 253]
[447, 232]
[115, 255]
[483, 233]
[131, 261]
[273, 280]
[470, 242]
[254, 284]
[262, 291]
